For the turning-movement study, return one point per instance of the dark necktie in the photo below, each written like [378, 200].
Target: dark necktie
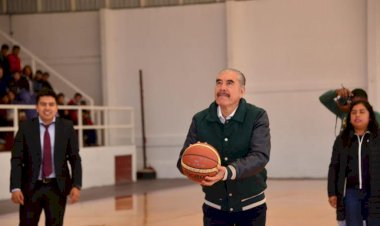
[47, 168]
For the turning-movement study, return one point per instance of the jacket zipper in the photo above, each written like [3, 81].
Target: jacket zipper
[360, 140]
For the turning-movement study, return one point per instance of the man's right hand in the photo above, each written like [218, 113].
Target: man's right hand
[333, 201]
[18, 197]
[343, 92]
[208, 181]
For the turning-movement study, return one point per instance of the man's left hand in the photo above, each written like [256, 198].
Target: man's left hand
[74, 195]
[208, 181]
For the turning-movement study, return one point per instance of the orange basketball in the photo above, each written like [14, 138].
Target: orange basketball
[200, 160]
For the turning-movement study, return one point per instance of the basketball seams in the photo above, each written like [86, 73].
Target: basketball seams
[188, 155]
[209, 147]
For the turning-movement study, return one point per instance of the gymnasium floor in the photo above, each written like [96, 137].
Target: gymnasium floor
[178, 202]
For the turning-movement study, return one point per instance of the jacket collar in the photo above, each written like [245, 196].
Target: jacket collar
[354, 135]
[41, 122]
[239, 115]
[58, 132]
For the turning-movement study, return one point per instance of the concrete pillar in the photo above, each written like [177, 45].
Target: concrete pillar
[373, 52]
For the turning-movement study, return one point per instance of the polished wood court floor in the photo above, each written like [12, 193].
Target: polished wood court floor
[177, 202]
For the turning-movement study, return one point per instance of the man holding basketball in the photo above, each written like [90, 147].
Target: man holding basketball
[239, 131]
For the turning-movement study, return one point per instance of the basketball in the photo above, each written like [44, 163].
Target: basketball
[200, 160]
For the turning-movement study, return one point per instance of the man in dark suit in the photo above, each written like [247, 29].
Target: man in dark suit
[40, 176]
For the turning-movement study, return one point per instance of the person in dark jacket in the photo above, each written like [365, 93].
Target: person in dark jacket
[354, 170]
[338, 101]
[239, 131]
[4, 62]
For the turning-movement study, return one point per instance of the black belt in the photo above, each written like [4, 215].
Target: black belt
[47, 180]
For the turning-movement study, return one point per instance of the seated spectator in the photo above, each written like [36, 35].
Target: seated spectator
[89, 135]
[4, 112]
[17, 83]
[14, 60]
[3, 83]
[24, 97]
[14, 82]
[8, 113]
[37, 82]
[27, 74]
[4, 61]
[45, 81]
[74, 113]
[63, 113]
[6, 116]
[11, 96]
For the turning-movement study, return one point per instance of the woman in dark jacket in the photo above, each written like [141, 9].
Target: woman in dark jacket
[354, 171]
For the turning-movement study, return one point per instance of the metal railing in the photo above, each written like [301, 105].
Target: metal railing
[47, 6]
[106, 121]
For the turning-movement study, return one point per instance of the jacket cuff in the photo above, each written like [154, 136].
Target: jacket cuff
[230, 173]
[78, 187]
[15, 189]
[331, 194]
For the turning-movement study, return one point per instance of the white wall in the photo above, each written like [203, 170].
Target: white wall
[4, 23]
[303, 41]
[373, 50]
[180, 53]
[290, 50]
[93, 160]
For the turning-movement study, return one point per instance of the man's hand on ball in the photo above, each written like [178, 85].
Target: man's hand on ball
[209, 181]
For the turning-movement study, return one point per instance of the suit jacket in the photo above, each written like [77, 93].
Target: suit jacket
[26, 157]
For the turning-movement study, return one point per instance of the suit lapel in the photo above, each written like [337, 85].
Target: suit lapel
[36, 139]
[58, 140]
[58, 134]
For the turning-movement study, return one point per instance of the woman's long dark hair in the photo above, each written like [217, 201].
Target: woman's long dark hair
[372, 124]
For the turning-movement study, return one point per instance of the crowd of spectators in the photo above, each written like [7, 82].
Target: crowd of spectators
[18, 85]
